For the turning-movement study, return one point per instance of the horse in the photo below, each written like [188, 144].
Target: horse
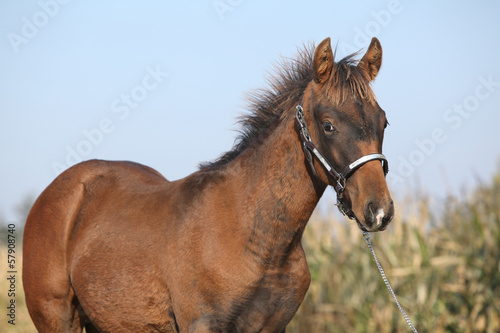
[113, 246]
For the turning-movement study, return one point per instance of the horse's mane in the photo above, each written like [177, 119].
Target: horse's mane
[285, 89]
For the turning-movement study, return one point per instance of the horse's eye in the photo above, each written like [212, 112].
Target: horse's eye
[328, 127]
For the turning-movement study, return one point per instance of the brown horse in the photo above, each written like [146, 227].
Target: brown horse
[115, 247]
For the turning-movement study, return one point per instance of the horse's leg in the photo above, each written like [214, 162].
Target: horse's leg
[51, 301]
[55, 314]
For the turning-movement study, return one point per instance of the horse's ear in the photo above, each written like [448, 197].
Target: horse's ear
[372, 60]
[323, 61]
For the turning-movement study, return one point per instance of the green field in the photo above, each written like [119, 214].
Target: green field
[444, 267]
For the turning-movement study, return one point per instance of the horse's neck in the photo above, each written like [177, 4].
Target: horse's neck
[280, 193]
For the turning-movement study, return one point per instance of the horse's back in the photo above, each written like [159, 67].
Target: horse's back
[59, 230]
[57, 208]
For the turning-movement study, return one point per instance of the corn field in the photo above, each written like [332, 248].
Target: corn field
[443, 263]
[444, 266]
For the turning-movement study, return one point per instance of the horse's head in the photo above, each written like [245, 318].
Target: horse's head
[346, 124]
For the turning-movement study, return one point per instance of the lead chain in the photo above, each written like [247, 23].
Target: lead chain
[366, 236]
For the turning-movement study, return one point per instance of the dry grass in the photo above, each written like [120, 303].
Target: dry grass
[23, 320]
[444, 267]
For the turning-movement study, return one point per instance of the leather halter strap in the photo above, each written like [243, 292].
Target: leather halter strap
[340, 178]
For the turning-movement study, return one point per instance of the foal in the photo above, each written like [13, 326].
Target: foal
[115, 247]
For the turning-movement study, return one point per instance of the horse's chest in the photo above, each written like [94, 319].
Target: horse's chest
[270, 311]
[263, 300]
[275, 303]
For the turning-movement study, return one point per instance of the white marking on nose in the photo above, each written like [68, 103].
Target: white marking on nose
[378, 218]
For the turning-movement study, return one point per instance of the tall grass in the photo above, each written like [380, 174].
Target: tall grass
[444, 267]
[23, 322]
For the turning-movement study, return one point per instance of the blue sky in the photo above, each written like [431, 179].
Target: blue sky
[162, 83]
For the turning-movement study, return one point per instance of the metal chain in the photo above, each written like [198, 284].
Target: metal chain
[366, 236]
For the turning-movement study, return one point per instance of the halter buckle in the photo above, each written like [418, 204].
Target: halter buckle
[340, 187]
[342, 208]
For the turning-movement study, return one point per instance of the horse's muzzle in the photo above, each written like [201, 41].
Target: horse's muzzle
[377, 216]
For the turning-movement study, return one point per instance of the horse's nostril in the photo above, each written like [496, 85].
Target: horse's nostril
[370, 212]
[378, 216]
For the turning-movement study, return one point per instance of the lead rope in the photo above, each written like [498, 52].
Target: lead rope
[366, 236]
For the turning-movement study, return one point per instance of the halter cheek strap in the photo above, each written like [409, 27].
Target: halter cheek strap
[340, 178]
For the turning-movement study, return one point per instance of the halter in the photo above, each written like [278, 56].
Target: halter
[340, 178]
